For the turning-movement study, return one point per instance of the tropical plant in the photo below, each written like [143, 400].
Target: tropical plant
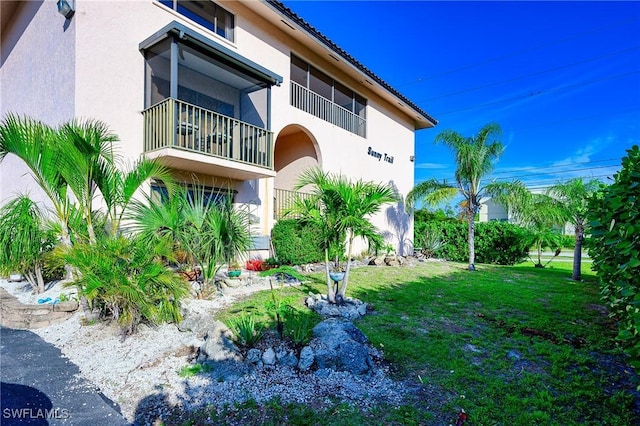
[246, 330]
[475, 157]
[39, 148]
[429, 243]
[573, 197]
[298, 325]
[541, 214]
[125, 279]
[614, 246]
[24, 241]
[212, 233]
[340, 209]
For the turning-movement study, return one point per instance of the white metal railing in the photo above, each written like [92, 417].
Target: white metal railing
[176, 124]
[323, 108]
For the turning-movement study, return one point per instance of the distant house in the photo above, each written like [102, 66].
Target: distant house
[490, 211]
[240, 95]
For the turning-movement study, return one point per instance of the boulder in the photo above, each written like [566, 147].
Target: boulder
[254, 356]
[306, 358]
[339, 345]
[377, 261]
[350, 308]
[269, 357]
[221, 354]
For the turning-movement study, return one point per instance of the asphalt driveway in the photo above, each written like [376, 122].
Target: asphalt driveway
[39, 386]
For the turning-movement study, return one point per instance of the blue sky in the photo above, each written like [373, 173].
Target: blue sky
[562, 79]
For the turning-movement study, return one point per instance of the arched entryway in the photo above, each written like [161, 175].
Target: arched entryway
[296, 150]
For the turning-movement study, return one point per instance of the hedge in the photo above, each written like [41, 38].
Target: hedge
[614, 246]
[296, 244]
[495, 242]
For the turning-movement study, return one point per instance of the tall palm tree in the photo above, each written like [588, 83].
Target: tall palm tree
[573, 196]
[89, 164]
[475, 159]
[342, 209]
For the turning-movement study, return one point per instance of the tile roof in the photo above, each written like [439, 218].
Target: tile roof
[279, 6]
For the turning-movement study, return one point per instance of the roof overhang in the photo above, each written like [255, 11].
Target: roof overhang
[175, 29]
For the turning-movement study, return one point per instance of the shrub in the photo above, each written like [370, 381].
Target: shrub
[125, 279]
[496, 242]
[500, 243]
[246, 330]
[298, 325]
[296, 244]
[614, 246]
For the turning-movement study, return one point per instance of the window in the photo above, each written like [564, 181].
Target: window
[205, 13]
[208, 194]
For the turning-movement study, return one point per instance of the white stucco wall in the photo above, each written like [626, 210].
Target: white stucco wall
[95, 69]
[37, 80]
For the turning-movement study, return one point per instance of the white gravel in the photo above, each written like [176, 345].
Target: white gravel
[140, 373]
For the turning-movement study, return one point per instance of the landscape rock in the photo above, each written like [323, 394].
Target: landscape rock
[218, 344]
[377, 261]
[254, 356]
[339, 345]
[350, 308]
[197, 324]
[307, 358]
[269, 357]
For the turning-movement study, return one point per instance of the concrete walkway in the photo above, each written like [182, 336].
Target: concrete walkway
[42, 387]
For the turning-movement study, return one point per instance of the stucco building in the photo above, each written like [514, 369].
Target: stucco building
[234, 94]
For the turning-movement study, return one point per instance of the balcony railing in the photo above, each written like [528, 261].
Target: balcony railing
[180, 125]
[283, 199]
[323, 108]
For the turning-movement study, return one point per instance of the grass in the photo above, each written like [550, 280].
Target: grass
[509, 345]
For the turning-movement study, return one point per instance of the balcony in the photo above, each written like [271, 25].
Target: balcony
[325, 109]
[190, 138]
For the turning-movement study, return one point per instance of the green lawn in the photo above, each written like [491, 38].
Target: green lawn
[509, 345]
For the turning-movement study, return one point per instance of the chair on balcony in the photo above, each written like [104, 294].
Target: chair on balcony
[216, 141]
[187, 131]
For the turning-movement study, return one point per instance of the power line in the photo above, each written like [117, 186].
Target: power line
[555, 172]
[557, 165]
[584, 117]
[519, 52]
[533, 74]
[539, 92]
[534, 175]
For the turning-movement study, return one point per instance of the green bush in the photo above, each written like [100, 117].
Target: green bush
[614, 246]
[500, 243]
[125, 279]
[495, 242]
[296, 244]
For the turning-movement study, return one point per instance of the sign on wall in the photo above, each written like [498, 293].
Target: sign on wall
[380, 156]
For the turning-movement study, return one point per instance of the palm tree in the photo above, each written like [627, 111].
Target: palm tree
[36, 144]
[341, 208]
[119, 187]
[211, 233]
[539, 213]
[573, 196]
[475, 157]
[24, 240]
[90, 163]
